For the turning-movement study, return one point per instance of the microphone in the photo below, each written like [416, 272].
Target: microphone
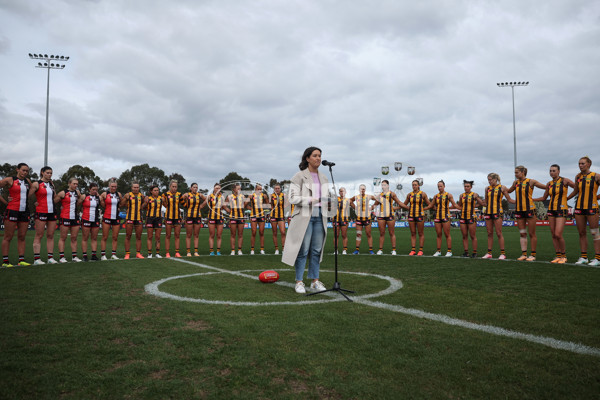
[328, 163]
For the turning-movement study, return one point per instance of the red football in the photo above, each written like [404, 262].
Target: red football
[268, 276]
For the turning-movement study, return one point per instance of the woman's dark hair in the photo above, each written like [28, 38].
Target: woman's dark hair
[303, 163]
[92, 185]
[21, 165]
[152, 188]
[469, 182]
[385, 181]
[46, 168]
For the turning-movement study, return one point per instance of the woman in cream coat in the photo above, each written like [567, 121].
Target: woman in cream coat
[308, 227]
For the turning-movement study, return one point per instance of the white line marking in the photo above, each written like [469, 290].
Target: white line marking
[494, 330]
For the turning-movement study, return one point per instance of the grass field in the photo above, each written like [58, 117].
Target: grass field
[434, 328]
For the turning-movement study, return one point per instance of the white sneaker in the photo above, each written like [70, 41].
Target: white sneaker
[300, 288]
[52, 261]
[158, 256]
[103, 258]
[276, 252]
[393, 252]
[149, 255]
[38, 262]
[344, 252]
[240, 253]
[487, 255]
[233, 252]
[62, 260]
[317, 286]
[594, 263]
[437, 254]
[582, 261]
[449, 254]
[114, 257]
[262, 252]
[251, 252]
[502, 257]
[76, 259]
[379, 252]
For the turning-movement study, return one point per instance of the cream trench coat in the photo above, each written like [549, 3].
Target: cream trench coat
[300, 194]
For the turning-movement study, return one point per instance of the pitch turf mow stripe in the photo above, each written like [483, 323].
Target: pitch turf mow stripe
[395, 284]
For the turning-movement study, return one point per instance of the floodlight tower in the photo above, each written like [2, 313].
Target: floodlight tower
[512, 86]
[48, 62]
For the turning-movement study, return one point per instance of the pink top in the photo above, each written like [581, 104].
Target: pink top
[316, 187]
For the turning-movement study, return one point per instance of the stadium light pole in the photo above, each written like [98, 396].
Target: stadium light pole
[48, 62]
[512, 86]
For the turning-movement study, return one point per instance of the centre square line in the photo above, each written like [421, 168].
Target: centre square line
[365, 300]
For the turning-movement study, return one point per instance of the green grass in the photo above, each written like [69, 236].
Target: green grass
[89, 330]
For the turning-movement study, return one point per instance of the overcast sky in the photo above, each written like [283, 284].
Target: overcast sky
[207, 87]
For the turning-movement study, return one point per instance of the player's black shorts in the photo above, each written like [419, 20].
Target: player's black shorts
[492, 216]
[524, 214]
[415, 219]
[154, 222]
[468, 221]
[390, 218]
[134, 222]
[89, 224]
[277, 219]
[193, 221]
[172, 221]
[257, 219]
[45, 216]
[215, 221]
[236, 221]
[16, 216]
[363, 222]
[69, 222]
[589, 211]
[341, 223]
[109, 221]
[441, 220]
[558, 213]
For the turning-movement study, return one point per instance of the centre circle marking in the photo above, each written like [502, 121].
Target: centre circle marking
[153, 289]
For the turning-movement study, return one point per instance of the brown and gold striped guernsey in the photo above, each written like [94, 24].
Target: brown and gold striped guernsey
[558, 195]
[468, 205]
[385, 206]
[236, 204]
[193, 205]
[343, 210]
[171, 201]
[362, 207]
[215, 205]
[494, 199]
[523, 192]
[279, 202]
[442, 210]
[154, 207]
[134, 206]
[257, 205]
[416, 204]
[588, 189]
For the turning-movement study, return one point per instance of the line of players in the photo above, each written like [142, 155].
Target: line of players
[233, 206]
[71, 200]
[586, 213]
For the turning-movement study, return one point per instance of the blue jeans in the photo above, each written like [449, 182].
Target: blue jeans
[311, 248]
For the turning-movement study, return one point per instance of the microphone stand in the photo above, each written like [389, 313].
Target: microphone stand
[336, 286]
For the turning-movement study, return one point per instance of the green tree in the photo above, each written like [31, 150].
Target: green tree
[234, 177]
[145, 175]
[85, 176]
